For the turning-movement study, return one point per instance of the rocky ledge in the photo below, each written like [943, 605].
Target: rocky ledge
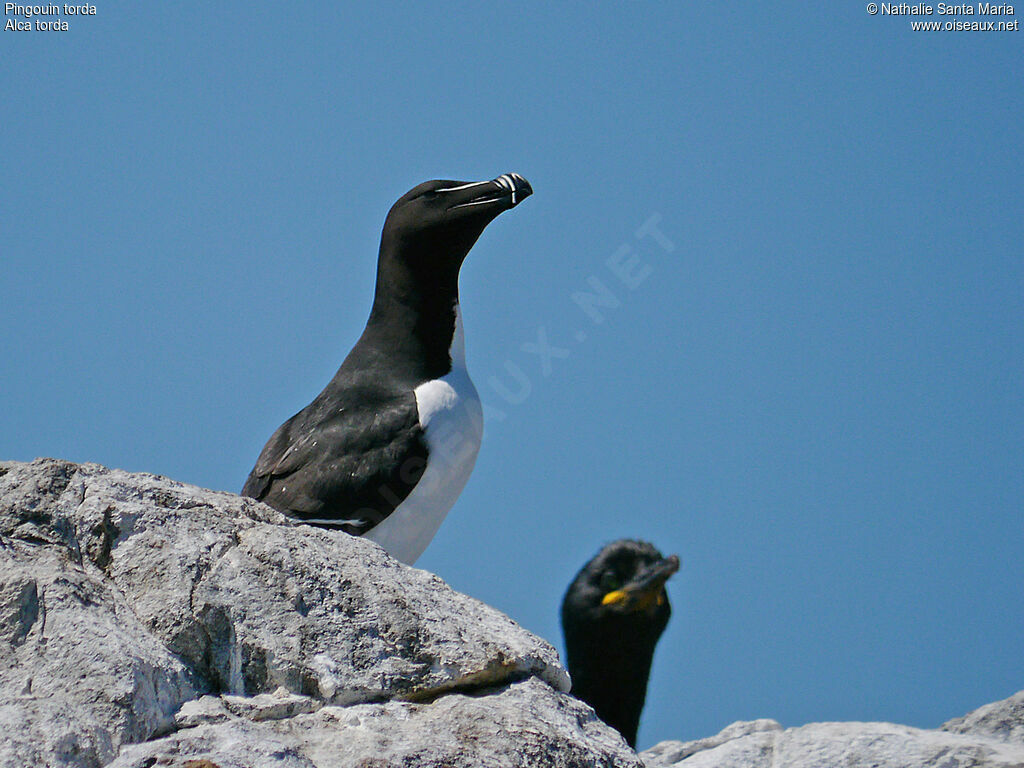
[989, 737]
[147, 622]
[144, 623]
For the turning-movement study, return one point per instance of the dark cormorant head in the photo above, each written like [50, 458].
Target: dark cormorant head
[612, 615]
[432, 226]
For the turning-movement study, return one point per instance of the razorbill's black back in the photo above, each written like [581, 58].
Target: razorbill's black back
[388, 445]
[612, 616]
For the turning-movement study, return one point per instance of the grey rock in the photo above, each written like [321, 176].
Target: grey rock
[519, 725]
[236, 744]
[133, 606]
[265, 706]
[765, 743]
[252, 601]
[675, 752]
[1003, 720]
[271, 706]
[79, 674]
[202, 711]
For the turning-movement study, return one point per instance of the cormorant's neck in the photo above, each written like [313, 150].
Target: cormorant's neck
[610, 674]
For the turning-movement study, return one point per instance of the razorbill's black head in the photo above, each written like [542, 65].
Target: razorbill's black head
[386, 448]
[427, 235]
[612, 616]
[435, 223]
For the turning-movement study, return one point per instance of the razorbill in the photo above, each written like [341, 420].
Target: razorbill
[612, 616]
[388, 445]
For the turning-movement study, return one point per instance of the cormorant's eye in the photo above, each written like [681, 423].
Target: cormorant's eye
[610, 581]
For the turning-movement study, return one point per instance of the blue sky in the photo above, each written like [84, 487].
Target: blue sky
[814, 397]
